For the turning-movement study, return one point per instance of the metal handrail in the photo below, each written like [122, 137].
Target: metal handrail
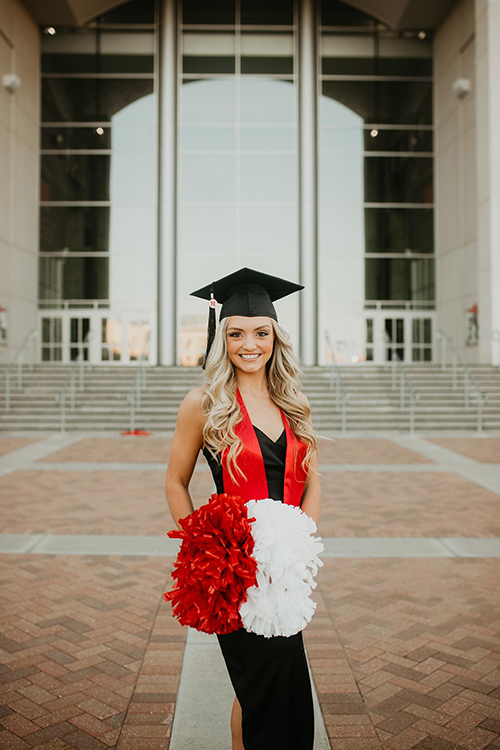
[139, 383]
[18, 358]
[495, 335]
[404, 381]
[337, 384]
[70, 380]
[482, 397]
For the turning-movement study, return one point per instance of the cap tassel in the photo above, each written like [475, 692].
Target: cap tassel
[210, 328]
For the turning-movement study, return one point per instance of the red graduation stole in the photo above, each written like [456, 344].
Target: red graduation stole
[252, 464]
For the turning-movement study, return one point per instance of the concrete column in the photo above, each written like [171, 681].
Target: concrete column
[308, 182]
[487, 24]
[167, 292]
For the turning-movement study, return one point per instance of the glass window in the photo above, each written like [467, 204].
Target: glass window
[382, 55]
[111, 340]
[268, 178]
[394, 102]
[126, 228]
[122, 176]
[399, 230]
[131, 138]
[205, 138]
[399, 279]
[215, 12]
[207, 177]
[73, 278]
[208, 101]
[398, 140]
[267, 139]
[266, 100]
[337, 13]
[276, 12]
[398, 179]
[98, 100]
[97, 51]
[208, 52]
[266, 52]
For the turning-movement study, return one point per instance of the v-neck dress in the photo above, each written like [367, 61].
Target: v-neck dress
[269, 675]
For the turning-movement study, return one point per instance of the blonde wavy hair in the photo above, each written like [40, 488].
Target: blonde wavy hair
[220, 405]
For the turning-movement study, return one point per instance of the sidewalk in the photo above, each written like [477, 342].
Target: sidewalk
[404, 651]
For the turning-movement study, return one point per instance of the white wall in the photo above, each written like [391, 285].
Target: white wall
[455, 178]
[19, 172]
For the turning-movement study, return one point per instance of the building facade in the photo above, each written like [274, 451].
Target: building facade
[331, 143]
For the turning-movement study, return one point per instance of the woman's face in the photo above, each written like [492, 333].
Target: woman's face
[249, 341]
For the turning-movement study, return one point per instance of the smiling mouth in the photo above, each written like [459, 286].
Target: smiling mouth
[249, 357]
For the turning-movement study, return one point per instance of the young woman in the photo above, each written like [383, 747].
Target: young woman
[251, 418]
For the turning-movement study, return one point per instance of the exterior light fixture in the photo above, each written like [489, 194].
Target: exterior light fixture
[422, 34]
[99, 131]
[461, 86]
[374, 133]
[50, 30]
[11, 82]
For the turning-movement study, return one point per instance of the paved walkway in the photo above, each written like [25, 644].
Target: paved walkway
[404, 647]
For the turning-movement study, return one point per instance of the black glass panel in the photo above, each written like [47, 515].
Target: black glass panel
[97, 63]
[271, 65]
[399, 279]
[73, 278]
[335, 13]
[201, 11]
[74, 229]
[382, 101]
[277, 12]
[133, 138]
[96, 99]
[94, 51]
[375, 54]
[418, 66]
[399, 140]
[398, 179]
[133, 12]
[208, 64]
[397, 230]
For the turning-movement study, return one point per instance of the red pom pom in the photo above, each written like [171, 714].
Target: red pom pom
[214, 566]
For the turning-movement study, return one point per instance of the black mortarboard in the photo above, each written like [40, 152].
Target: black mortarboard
[244, 292]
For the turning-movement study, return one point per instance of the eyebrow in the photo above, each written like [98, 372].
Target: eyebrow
[234, 328]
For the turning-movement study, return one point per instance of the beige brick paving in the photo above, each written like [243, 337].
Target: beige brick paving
[7, 445]
[367, 451]
[104, 502]
[484, 450]
[115, 450]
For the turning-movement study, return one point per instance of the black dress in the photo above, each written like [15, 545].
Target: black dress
[269, 675]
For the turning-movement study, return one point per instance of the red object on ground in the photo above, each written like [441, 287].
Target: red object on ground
[135, 432]
[214, 566]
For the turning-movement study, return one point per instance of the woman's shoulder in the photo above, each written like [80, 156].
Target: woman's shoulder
[191, 405]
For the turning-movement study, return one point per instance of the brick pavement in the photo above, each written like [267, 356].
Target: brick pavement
[9, 444]
[405, 653]
[484, 450]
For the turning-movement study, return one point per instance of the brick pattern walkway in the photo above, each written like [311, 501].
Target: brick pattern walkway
[405, 653]
[484, 450]
[7, 445]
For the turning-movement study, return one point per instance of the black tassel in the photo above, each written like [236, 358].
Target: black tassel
[210, 328]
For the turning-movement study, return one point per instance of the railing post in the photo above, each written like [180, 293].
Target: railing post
[454, 372]
[132, 412]
[466, 390]
[479, 412]
[72, 391]
[63, 411]
[20, 372]
[7, 390]
[412, 412]
[344, 415]
[443, 353]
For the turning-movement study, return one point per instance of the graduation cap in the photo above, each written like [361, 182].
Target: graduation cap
[244, 292]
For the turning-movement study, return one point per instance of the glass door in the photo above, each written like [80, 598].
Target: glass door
[394, 339]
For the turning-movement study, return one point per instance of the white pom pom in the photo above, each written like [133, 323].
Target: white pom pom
[287, 559]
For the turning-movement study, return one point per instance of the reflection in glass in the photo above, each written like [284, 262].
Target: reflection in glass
[337, 13]
[121, 176]
[399, 279]
[268, 178]
[276, 12]
[392, 102]
[266, 52]
[398, 180]
[399, 140]
[208, 101]
[399, 230]
[97, 51]
[207, 177]
[73, 278]
[111, 340]
[136, 11]
[267, 100]
[204, 138]
[96, 99]
[267, 139]
[215, 12]
[208, 52]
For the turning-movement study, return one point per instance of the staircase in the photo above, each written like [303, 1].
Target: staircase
[372, 404]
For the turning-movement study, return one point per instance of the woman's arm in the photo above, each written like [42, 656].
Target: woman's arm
[311, 500]
[186, 444]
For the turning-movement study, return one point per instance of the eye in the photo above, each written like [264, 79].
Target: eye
[234, 334]
[264, 333]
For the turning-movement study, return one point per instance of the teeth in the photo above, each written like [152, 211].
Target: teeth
[249, 356]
